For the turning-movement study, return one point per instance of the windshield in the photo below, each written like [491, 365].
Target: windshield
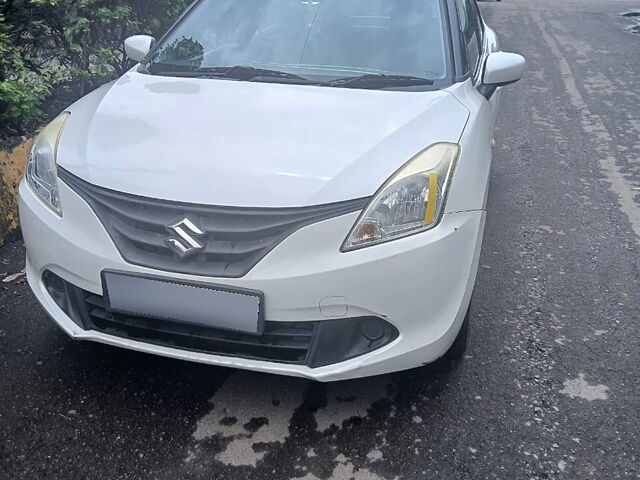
[350, 43]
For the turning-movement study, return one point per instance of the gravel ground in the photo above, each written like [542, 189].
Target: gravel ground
[550, 386]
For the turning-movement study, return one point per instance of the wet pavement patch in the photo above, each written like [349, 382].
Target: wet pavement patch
[634, 29]
[635, 17]
[255, 423]
[228, 421]
[244, 436]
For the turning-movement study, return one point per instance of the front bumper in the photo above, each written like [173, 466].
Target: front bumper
[421, 284]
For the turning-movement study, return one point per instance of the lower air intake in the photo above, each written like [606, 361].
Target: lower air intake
[311, 343]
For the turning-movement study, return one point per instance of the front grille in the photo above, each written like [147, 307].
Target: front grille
[234, 239]
[311, 343]
[280, 342]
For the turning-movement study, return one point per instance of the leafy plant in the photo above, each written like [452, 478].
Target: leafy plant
[66, 48]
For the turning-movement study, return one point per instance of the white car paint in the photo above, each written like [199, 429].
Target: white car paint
[136, 47]
[175, 138]
[502, 67]
[470, 188]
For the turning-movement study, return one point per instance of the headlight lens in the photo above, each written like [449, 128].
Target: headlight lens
[41, 168]
[411, 201]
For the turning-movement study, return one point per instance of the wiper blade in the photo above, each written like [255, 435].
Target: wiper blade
[374, 80]
[236, 72]
[250, 73]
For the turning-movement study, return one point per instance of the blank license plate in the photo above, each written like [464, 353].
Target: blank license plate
[200, 304]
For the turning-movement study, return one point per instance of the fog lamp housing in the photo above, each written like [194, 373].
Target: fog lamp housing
[65, 295]
[342, 339]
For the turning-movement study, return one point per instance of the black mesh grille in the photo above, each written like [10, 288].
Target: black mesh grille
[312, 343]
[234, 239]
[281, 341]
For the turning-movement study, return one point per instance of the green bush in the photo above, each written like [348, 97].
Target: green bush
[65, 48]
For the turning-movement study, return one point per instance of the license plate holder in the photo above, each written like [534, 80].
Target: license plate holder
[195, 303]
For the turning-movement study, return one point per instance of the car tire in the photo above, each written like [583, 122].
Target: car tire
[459, 346]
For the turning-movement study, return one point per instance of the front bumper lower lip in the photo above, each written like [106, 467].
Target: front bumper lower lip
[421, 284]
[68, 326]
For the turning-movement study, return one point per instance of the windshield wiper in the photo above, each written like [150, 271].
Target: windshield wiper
[237, 72]
[373, 80]
[242, 72]
[247, 73]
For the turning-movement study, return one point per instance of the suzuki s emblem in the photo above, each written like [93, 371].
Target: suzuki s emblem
[183, 238]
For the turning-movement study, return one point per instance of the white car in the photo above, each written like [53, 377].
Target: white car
[288, 186]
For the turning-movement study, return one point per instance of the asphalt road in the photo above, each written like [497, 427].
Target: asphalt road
[550, 387]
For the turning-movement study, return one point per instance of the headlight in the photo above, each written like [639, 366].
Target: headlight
[411, 201]
[41, 168]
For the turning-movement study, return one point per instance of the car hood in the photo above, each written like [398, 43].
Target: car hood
[249, 144]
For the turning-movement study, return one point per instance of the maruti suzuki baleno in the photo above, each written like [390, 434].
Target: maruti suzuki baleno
[288, 186]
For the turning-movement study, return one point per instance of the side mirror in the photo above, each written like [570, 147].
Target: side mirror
[137, 46]
[501, 68]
